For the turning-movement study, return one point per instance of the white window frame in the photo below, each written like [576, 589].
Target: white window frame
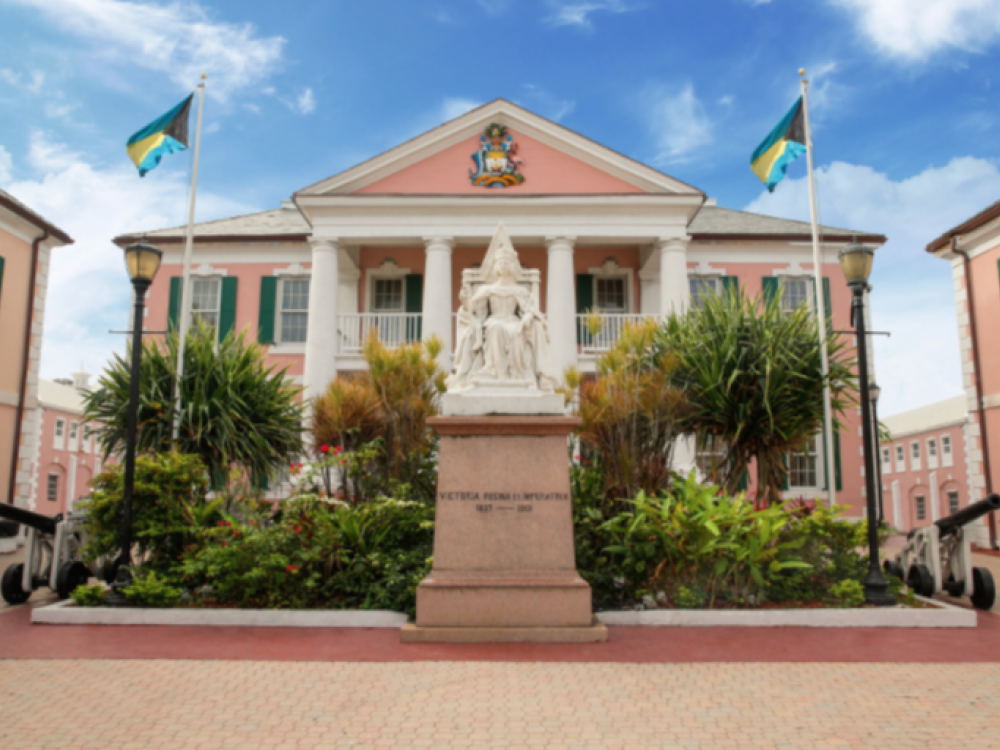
[915, 458]
[920, 513]
[886, 459]
[932, 453]
[714, 281]
[388, 270]
[947, 451]
[86, 438]
[958, 500]
[218, 309]
[74, 436]
[810, 297]
[817, 458]
[59, 439]
[52, 488]
[900, 457]
[610, 269]
[279, 310]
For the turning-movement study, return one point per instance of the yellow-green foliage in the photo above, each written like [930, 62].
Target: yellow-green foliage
[632, 413]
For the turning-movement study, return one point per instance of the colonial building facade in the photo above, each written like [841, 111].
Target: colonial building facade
[382, 246]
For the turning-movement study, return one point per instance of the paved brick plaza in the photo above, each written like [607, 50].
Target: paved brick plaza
[275, 705]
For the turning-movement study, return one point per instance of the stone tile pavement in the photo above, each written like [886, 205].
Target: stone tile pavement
[204, 705]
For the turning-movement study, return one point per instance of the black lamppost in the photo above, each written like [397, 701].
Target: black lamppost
[874, 392]
[142, 261]
[856, 262]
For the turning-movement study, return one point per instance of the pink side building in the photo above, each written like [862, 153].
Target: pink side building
[925, 474]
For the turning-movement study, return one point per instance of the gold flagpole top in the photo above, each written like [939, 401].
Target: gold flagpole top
[205, 75]
[802, 72]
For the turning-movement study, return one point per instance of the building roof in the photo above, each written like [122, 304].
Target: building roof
[946, 413]
[713, 222]
[61, 397]
[988, 214]
[15, 206]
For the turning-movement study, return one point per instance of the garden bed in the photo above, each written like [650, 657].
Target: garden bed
[67, 613]
[932, 614]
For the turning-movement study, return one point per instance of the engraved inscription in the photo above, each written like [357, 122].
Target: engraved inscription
[504, 497]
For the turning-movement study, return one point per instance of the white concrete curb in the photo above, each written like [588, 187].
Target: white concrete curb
[67, 613]
[941, 615]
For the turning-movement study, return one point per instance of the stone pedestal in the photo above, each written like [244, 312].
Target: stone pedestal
[504, 564]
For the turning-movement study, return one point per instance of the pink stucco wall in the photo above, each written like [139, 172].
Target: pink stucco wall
[55, 460]
[913, 482]
[545, 169]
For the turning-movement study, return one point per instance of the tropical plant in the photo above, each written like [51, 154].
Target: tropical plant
[88, 596]
[754, 381]
[633, 412]
[168, 509]
[235, 410]
[150, 590]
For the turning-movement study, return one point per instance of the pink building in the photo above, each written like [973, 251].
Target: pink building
[68, 455]
[973, 249]
[925, 473]
[382, 247]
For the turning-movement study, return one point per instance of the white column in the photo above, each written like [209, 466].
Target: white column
[437, 301]
[674, 290]
[935, 498]
[321, 337]
[897, 508]
[70, 484]
[560, 306]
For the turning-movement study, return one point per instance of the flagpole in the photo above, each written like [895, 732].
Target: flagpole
[831, 473]
[185, 307]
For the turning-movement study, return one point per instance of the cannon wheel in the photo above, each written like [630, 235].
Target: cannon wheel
[891, 567]
[70, 576]
[920, 580]
[954, 588]
[984, 592]
[10, 586]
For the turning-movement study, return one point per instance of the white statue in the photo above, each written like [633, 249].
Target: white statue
[503, 339]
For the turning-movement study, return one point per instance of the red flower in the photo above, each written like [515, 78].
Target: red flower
[225, 544]
[338, 450]
[298, 529]
[324, 449]
[292, 569]
[222, 523]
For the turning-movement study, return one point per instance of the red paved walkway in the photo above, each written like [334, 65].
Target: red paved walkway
[21, 640]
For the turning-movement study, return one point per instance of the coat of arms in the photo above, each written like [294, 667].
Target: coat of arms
[496, 160]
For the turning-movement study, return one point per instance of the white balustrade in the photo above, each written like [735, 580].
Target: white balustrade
[608, 332]
[392, 329]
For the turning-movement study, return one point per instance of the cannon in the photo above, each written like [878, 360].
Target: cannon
[939, 558]
[52, 554]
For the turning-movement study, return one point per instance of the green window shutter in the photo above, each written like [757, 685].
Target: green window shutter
[584, 303]
[174, 314]
[227, 307]
[259, 481]
[2, 263]
[414, 303]
[785, 485]
[742, 487]
[731, 284]
[770, 286]
[265, 318]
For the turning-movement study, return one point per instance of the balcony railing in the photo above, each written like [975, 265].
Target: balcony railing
[608, 332]
[393, 329]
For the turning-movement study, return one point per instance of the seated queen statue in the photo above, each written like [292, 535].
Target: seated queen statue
[502, 337]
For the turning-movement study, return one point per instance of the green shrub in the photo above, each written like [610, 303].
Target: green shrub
[848, 593]
[88, 596]
[168, 509]
[149, 590]
[686, 598]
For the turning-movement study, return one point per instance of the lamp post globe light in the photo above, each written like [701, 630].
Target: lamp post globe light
[856, 262]
[874, 391]
[142, 261]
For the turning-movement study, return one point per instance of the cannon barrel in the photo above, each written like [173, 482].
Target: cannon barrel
[46, 524]
[948, 524]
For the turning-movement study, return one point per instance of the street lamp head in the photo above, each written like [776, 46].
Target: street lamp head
[142, 261]
[874, 391]
[856, 262]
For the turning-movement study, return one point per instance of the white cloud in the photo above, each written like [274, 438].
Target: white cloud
[546, 103]
[456, 107]
[33, 84]
[179, 39]
[88, 288]
[6, 166]
[680, 124]
[913, 30]
[912, 295]
[578, 12]
[306, 102]
[60, 109]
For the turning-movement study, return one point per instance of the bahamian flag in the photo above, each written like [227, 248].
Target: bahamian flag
[165, 135]
[785, 144]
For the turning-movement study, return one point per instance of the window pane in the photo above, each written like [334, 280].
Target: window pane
[295, 294]
[52, 489]
[700, 288]
[388, 295]
[952, 502]
[899, 453]
[211, 319]
[205, 294]
[802, 467]
[611, 295]
[293, 327]
[796, 293]
[916, 450]
[946, 444]
[931, 448]
[921, 508]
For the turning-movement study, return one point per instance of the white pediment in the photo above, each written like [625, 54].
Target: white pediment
[518, 119]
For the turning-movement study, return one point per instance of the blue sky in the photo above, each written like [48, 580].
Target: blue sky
[904, 107]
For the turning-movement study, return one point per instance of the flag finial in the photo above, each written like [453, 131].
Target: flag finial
[802, 72]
